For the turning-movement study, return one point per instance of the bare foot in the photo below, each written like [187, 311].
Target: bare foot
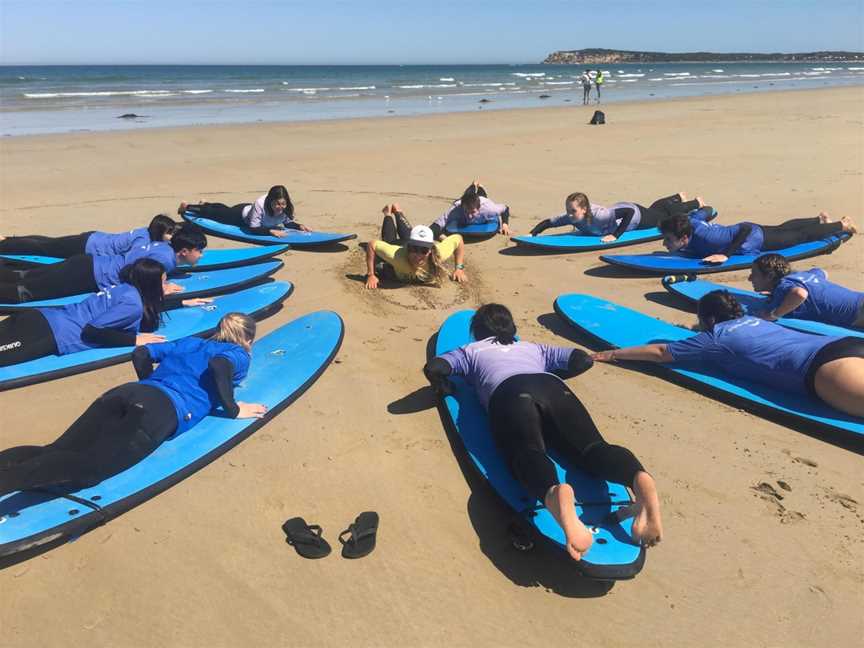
[395, 208]
[182, 208]
[647, 524]
[560, 501]
[824, 217]
[700, 202]
[682, 196]
[387, 210]
[849, 225]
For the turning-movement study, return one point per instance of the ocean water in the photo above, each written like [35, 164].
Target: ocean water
[56, 99]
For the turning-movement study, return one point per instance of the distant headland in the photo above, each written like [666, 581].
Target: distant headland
[598, 55]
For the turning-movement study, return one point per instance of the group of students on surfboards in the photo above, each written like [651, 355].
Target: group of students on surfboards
[530, 410]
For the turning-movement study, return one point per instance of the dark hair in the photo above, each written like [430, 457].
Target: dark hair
[582, 200]
[189, 236]
[470, 197]
[160, 226]
[678, 226]
[278, 192]
[493, 320]
[774, 267]
[146, 275]
[719, 306]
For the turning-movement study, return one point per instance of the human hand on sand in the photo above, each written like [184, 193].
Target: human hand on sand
[715, 258]
[459, 276]
[504, 229]
[371, 281]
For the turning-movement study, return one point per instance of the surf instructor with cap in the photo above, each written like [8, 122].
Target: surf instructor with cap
[410, 254]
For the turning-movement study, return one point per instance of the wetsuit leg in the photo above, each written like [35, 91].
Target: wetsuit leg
[117, 431]
[664, 208]
[389, 233]
[797, 231]
[25, 336]
[481, 191]
[403, 227]
[59, 246]
[222, 213]
[70, 277]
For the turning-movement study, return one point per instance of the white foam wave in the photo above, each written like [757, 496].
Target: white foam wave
[718, 70]
[244, 90]
[855, 68]
[358, 88]
[529, 74]
[629, 80]
[624, 76]
[103, 93]
[558, 82]
[446, 79]
[431, 85]
[676, 74]
[197, 92]
[305, 89]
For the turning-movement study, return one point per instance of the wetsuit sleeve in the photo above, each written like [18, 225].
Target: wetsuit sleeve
[701, 215]
[107, 337]
[543, 225]
[744, 230]
[625, 214]
[222, 370]
[436, 230]
[505, 215]
[436, 372]
[579, 362]
[142, 362]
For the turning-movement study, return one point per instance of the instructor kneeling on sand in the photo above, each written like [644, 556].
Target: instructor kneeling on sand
[410, 254]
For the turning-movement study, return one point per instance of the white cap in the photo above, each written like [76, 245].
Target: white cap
[421, 236]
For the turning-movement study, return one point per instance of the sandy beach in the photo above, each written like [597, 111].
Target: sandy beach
[205, 563]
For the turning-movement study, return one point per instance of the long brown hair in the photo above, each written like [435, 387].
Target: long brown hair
[582, 200]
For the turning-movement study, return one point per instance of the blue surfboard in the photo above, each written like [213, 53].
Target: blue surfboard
[196, 284]
[294, 238]
[476, 230]
[612, 325]
[576, 242]
[211, 260]
[284, 364]
[673, 263]
[613, 555]
[691, 290]
[176, 324]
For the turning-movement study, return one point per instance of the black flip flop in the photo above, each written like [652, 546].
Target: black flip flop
[305, 538]
[361, 536]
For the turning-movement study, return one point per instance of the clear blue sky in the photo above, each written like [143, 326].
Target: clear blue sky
[386, 31]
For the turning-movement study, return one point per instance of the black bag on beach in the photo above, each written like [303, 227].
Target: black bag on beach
[598, 118]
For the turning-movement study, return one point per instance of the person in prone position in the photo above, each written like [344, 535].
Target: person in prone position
[127, 423]
[271, 214]
[531, 409]
[86, 273]
[691, 235]
[161, 228]
[120, 316]
[410, 254]
[610, 223]
[830, 369]
[806, 294]
[473, 207]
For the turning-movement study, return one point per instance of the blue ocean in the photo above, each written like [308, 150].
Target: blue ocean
[57, 99]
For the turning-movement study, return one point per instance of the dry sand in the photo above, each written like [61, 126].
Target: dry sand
[205, 563]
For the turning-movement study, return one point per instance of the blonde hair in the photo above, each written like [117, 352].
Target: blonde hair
[436, 267]
[237, 328]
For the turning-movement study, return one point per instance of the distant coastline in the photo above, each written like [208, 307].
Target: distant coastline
[599, 55]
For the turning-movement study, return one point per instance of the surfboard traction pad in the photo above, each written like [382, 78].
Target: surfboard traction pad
[72, 370]
[789, 419]
[524, 516]
[18, 551]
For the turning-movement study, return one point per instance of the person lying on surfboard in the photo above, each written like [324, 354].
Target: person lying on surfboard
[830, 369]
[692, 236]
[530, 408]
[806, 294]
[609, 223]
[96, 243]
[272, 214]
[123, 315]
[473, 207]
[410, 254]
[86, 273]
[128, 422]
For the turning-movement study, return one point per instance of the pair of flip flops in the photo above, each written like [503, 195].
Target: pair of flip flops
[308, 541]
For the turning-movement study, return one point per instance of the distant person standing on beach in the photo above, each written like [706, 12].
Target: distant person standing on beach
[586, 87]
[598, 81]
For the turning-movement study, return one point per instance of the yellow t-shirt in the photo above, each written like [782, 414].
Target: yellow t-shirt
[397, 256]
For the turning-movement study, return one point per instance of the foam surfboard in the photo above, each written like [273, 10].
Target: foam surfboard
[691, 290]
[196, 284]
[294, 238]
[673, 263]
[613, 555]
[612, 325]
[476, 230]
[576, 242]
[211, 260]
[176, 324]
[284, 364]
